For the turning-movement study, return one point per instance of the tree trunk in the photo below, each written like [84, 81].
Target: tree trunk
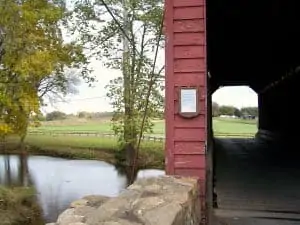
[23, 136]
[129, 136]
[23, 170]
[22, 143]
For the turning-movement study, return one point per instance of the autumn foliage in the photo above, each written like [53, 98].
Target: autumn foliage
[31, 49]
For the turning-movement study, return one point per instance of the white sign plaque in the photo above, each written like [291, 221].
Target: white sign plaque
[188, 100]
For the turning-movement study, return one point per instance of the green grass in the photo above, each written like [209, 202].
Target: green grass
[90, 126]
[220, 125]
[74, 147]
[234, 126]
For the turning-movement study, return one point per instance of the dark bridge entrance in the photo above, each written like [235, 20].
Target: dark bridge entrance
[256, 43]
[255, 179]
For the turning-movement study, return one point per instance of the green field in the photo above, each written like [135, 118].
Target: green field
[54, 142]
[220, 125]
[101, 126]
[234, 126]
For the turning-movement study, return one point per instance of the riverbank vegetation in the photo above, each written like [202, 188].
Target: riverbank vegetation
[18, 205]
[76, 147]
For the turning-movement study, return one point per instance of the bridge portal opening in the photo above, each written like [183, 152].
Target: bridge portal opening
[234, 112]
[256, 169]
[255, 43]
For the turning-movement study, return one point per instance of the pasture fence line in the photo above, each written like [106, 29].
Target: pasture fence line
[234, 135]
[90, 134]
[147, 137]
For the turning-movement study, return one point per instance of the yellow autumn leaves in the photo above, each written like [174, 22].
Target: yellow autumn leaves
[31, 48]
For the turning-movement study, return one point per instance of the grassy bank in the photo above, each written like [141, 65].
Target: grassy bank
[18, 205]
[105, 148]
[74, 147]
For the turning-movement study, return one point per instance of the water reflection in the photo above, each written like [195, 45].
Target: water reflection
[14, 171]
[59, 181]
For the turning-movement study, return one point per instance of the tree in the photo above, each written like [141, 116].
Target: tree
[41, 117]
[250, 111]
[215, 109]
[227, 110]
[237, 112]
[82, 115]
[136, 95]
[56, 115]
[32, 51]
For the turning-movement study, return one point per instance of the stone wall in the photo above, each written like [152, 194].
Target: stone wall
[162, 200]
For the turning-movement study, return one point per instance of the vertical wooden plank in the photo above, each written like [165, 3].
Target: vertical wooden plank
[207, 211]
[169, 91]
[206, 72]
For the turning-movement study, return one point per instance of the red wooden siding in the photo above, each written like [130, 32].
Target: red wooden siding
[185, 66]
[188, 39]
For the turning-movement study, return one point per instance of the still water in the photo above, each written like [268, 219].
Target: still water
[58, 181]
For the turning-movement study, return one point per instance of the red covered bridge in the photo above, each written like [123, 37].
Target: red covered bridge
[215, 43]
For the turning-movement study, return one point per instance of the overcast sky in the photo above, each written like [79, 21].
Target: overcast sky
[93, 99]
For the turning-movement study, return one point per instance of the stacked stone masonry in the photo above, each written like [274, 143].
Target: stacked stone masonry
[162, 200]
